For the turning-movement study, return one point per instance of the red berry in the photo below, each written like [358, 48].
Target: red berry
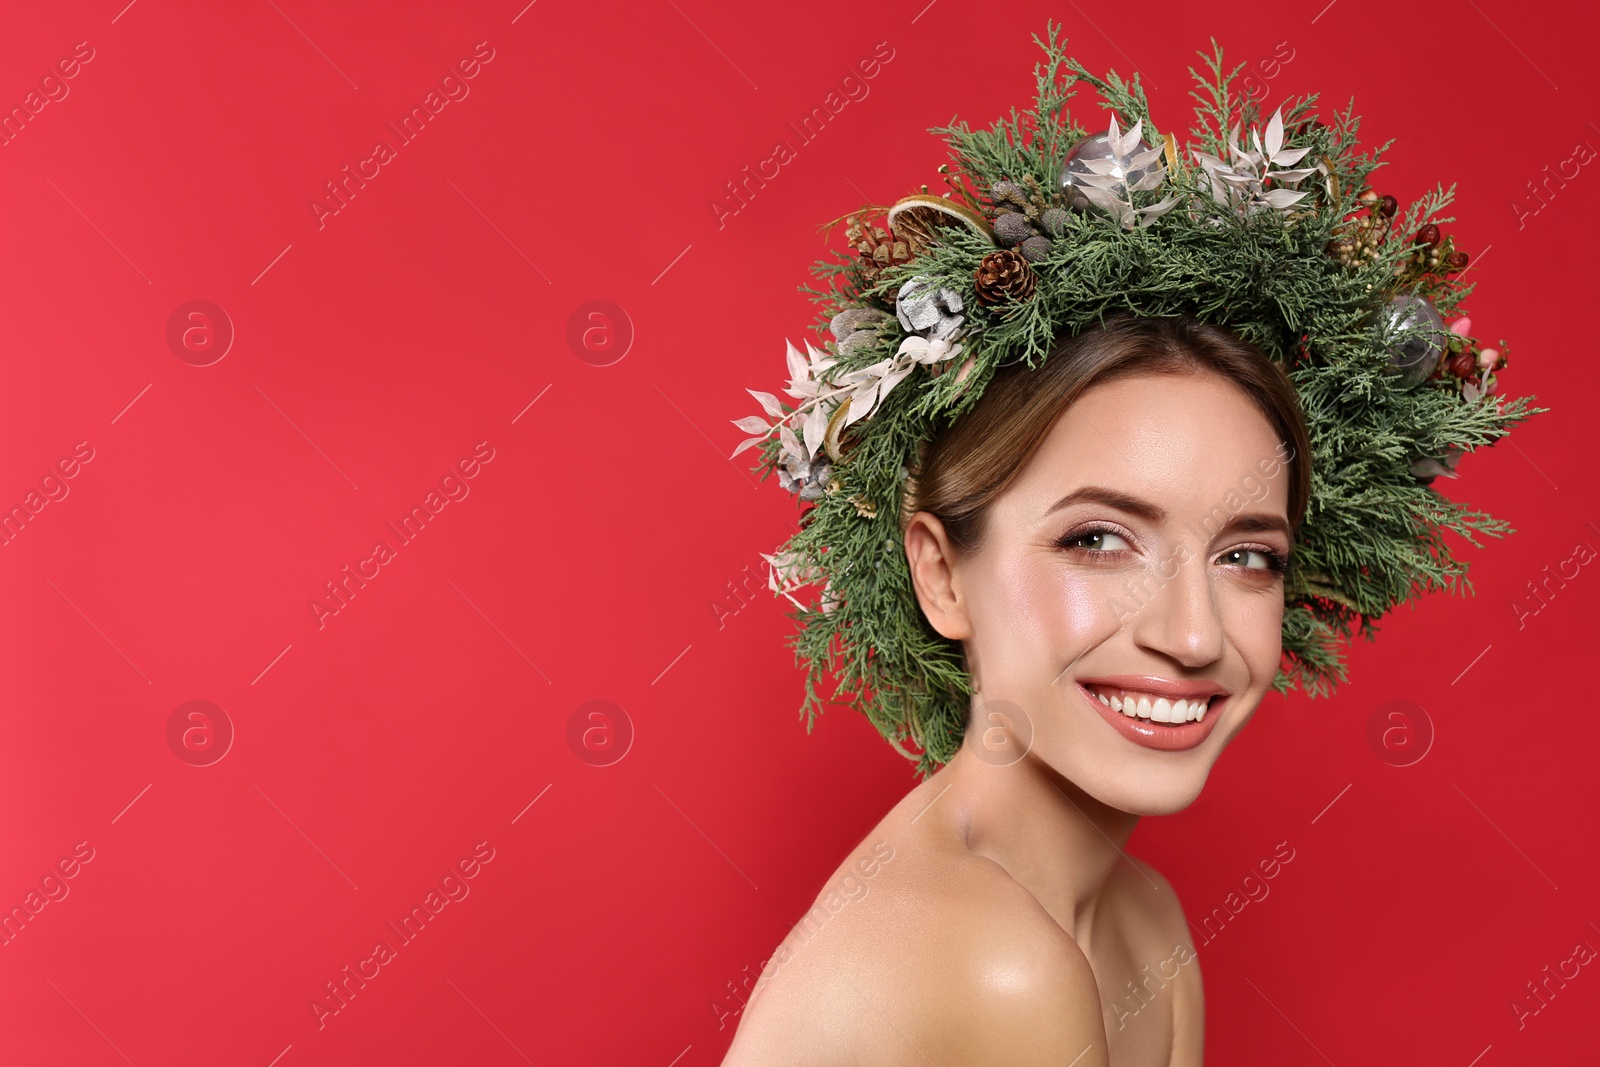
[1458, 260]
[1462, 365]
[1428, 235]
[1388, 206]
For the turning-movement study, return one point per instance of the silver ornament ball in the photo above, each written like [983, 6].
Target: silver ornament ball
[1415, 356]
[1097, 147]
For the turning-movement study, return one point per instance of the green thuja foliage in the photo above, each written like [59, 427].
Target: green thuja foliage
[1375, 533]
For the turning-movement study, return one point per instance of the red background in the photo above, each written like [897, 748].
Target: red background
[592, 554]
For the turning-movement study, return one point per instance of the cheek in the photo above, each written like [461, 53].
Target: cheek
[1254, 624]
[1039, 612]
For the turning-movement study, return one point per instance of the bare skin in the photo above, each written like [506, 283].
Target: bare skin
[993, 915]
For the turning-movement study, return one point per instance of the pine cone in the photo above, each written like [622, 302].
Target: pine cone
[1004, 275]
[879, 250]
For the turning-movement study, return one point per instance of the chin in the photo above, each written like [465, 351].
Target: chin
[1132, 789]
[1137, 780]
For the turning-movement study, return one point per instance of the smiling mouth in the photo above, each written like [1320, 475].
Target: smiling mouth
[1150, 707]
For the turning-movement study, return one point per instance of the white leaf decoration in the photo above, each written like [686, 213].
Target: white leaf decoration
[797, 362]
[1275, 133]
[1156, 210]
[857, 410]
[862, 374]
[865, 398]
[816, 425]
[1282, 198]
[1292, 175]
[1151, 180]
[1102, 199]
[895, 377]
[1130, 140]
[1108, 167]
[746, 443]
[791, 443]
[922, 350]
[1143, 159]
[768, 402]
[1290, 157]
[752, 424]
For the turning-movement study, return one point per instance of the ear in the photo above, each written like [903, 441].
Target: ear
[934, 576]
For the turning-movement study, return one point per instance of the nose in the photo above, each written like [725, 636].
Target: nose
[1180, 620]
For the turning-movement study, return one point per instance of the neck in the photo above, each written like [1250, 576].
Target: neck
[1058, 842]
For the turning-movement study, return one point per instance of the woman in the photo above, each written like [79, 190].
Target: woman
[1058, 454]
[1079, 533]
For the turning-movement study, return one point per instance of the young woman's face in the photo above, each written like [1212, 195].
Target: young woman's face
[1137, 554]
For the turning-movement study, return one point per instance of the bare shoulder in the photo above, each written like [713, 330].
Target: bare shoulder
[1151, 919]
[928, 953]
[1008, 984]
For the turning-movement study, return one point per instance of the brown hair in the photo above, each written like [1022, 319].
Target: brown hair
[969, 463]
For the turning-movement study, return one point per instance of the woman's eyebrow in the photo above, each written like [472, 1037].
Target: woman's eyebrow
[1098, 494]
[1115, 498]
[1257, 522]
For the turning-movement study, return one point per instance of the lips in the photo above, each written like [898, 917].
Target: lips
[1164, 687]
[1199, 704]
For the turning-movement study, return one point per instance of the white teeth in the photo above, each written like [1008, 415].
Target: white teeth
[1162, 709]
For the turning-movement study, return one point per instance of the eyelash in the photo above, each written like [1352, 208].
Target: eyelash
[1277, 562]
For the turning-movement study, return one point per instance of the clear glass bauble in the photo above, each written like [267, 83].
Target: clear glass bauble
[1417, 355]
[1098, 147]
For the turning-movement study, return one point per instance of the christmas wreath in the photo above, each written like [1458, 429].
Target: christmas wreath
[1046, 228]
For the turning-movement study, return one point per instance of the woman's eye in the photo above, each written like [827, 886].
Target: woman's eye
[1097, 541]
[1242, 557]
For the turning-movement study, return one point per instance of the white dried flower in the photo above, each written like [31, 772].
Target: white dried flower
[1107, 187]
[1240, 185]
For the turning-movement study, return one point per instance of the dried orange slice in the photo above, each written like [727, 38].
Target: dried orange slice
[918, 218]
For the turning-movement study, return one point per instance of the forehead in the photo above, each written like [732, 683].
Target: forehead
[1182, 441]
